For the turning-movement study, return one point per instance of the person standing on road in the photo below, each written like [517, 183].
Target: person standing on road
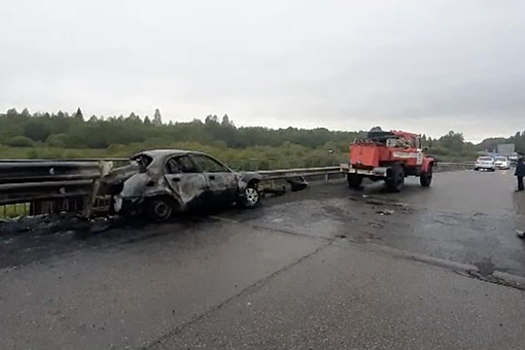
[520, 173]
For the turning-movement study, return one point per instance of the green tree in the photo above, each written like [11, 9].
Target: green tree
[37, 130]
[157, 118]
[211, 119]
[226, 122]
[452, 141]
[25, 113]
[78, 115]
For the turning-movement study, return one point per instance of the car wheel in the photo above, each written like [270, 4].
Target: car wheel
[252, 196]
[159, 209]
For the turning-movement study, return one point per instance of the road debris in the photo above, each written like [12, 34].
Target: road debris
[385, 212]
[376, 224]
[45, 224]
[297, 183]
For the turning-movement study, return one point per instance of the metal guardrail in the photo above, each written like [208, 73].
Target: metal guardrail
[72, 185]
[26, 181]
[299, 172]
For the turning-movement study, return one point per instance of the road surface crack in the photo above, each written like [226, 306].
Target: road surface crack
[492, 279]
[252, 287]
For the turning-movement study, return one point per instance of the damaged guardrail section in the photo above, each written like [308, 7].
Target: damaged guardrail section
[50, 186]
[53, 186]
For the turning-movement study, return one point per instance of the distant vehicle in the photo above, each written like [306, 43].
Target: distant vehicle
[160, 182]
[485, 163]
[502, 163]
[390, 156]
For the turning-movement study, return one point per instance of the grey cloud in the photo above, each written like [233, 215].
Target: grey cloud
[427, 66]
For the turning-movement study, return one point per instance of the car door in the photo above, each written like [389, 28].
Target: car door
[222, 181]
[186, 180]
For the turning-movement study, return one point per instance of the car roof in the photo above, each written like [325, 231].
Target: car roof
[154, 153]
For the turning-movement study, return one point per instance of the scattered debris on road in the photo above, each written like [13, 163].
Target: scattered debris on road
[376, 224]
[297, 183]
[385, 212]
[56, 223]
[290, 185]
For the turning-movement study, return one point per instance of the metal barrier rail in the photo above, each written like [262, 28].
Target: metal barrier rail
[80, 160]
[299, 172]
[22, 182]
[44, 184]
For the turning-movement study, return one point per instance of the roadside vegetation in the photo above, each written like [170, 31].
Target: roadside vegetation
[61, 135]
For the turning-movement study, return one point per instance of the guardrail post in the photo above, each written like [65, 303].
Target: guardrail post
[326, 177]
[104, 168]
[90, 200]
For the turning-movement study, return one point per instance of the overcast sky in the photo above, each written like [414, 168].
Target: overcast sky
[425, 66]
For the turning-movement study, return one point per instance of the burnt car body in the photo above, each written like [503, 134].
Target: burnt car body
[160, 182]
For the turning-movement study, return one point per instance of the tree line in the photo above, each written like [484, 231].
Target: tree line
[75, 131]
[55, 135]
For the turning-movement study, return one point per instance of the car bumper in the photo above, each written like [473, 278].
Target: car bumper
[485, 166]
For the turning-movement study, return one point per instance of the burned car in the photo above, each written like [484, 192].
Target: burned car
[160, 182]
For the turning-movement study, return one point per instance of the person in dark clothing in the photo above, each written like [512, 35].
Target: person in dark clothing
[520, 173]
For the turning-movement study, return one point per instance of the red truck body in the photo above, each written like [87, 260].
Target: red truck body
[389, 156]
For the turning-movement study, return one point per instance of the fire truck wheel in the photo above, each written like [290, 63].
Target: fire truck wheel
[425, 179]
[395, 178]
[354, 181]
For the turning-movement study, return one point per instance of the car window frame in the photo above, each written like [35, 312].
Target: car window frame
[225, 168]
[139, 160]
[176, 156]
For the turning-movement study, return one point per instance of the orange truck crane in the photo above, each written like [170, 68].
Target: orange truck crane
[390, 156]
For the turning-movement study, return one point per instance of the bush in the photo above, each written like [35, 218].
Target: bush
[20, 141]
[57, 140]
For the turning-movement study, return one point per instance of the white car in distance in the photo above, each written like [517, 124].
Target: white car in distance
[485, 163]
[502, 163]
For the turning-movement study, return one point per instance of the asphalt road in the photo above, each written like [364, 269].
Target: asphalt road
[326, 268]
